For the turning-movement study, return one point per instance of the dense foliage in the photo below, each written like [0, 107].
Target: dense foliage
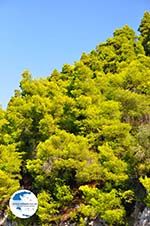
[80, 138]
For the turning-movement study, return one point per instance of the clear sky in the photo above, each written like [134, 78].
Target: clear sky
[40, 35]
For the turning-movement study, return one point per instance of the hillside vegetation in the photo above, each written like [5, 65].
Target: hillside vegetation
[80, 138]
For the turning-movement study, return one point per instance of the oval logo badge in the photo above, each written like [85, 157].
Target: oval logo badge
[23, 203]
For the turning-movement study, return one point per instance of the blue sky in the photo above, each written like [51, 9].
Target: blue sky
[40, 35]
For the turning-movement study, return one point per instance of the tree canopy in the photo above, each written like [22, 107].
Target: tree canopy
[80, 138]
